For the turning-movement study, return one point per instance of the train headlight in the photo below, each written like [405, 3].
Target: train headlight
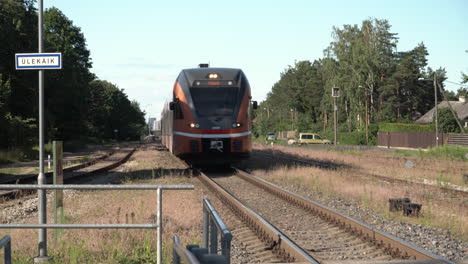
[192, 125]
[234, 125]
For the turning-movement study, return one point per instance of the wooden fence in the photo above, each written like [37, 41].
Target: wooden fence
[457, 139]
[286, 134]
[419, 139]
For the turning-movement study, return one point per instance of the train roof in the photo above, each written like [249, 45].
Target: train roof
[202, 73]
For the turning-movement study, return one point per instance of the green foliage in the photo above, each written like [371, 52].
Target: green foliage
[110, 110]
[352, 138]
[17, 131]
[78, 107]
[464, 78]
[398, 127]
[447, 122]
[376, 84]
[17, 155]
[373, 130]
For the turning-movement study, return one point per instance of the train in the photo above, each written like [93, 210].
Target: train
[208, 120]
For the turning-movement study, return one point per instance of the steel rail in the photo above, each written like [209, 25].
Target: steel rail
[395, 246]
[279, 242]
[67, 169]
[14, 192]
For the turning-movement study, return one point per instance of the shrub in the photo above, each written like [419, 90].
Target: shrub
[447, 121]
[398, 127]
[449, 152]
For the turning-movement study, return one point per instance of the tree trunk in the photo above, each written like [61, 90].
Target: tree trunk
[325, 120]
[398, 102]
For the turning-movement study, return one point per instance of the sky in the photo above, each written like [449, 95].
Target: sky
[142, 45]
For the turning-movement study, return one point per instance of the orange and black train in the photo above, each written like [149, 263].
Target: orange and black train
[208, 120]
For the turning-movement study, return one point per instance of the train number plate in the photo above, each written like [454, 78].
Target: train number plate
[216, 144]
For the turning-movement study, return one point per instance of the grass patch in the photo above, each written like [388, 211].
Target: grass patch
[354, 152]
[405, 153]
[19, 171]
[79, 252]
[450, 152]
[17, 155]
[182, 216]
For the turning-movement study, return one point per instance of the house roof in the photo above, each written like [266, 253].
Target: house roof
[461, 108]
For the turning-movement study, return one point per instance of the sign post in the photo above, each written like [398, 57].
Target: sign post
[58, 179]
[40, 61]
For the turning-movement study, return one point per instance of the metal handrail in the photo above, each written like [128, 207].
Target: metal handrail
[6, 242]
[156, 226]
[181, 255]
[212, 222]
[93, 187]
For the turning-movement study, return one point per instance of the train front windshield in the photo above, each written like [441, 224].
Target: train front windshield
[215, 101]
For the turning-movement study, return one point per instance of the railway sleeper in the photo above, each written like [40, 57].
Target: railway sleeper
[253, 243]
[320, 246]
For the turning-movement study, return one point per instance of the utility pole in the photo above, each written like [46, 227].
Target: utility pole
[435, 117]
[335, 94]
[436, 122]
[367, 113]
[149, 125]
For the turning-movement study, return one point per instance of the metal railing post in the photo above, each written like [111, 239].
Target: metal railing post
[213, 238]
[158, 223]
[8, 253]
[6, 243]
[226, 248]
[212, 223]
[182, 254]
[206, 222]
[175, 257]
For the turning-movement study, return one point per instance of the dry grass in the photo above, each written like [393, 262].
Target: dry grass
[440, 171]
[182, 214]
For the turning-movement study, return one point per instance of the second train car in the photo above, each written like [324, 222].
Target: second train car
[208, 120]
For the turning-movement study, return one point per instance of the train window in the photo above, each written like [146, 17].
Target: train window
[215, 101]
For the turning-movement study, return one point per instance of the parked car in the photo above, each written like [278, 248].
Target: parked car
[311, 138]
[271, 136]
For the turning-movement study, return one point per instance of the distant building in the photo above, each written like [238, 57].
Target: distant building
[156, 125]
[151, 121]
[460, 107]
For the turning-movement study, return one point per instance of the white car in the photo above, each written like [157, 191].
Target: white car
[271, 136]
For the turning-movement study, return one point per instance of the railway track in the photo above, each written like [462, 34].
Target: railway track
[442, 189]
[295, 229]
[74, 174]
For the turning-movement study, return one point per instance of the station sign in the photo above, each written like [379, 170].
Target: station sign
[38, 61]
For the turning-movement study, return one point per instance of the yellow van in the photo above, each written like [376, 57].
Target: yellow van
[311, 138]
